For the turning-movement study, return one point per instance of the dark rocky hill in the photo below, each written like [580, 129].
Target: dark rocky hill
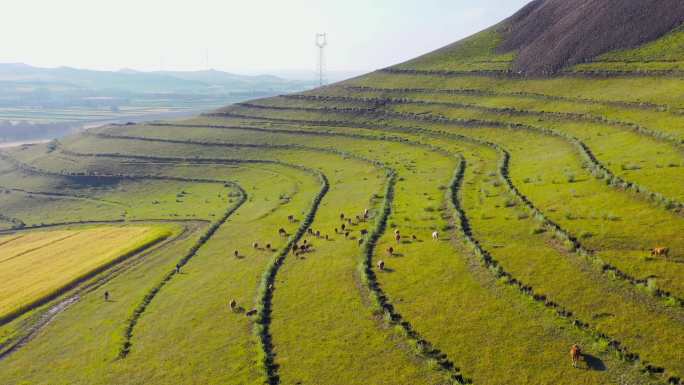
[552, 34]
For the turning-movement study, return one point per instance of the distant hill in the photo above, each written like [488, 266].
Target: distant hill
[209, 81]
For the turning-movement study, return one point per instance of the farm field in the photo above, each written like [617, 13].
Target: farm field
[37, 264]
[443, 221]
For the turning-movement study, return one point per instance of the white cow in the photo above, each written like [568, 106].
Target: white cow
[435, 235]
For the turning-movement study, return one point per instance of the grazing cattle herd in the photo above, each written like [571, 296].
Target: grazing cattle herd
[298, 250]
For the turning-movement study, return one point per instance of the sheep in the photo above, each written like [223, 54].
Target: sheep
[435, 235]
[381, 265]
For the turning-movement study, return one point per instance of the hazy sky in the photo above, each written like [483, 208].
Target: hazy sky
[241, 36]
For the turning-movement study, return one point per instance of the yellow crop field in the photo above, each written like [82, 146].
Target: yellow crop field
[35, 265]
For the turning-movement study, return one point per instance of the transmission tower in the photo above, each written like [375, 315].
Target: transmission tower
[321, 42]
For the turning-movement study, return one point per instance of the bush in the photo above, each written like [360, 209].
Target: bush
[538, 230]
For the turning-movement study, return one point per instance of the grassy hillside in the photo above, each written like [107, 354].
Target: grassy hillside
[442, 221]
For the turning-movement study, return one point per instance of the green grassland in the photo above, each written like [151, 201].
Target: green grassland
[547, 196]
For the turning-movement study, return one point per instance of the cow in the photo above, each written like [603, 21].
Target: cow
[236, 253]
[282, 232]
[435, 236]
[360, 241]
[233, 304]
[268, 246]
[178, 268]
[326, 237]
[396, 232]
[575, 354]
[390, 250]
[660, 252]
[365, 214]
[343, 226]
[318, 233]
[106, 296]
[255, 245]
[364, 231]
[251, 312]
[381, 265]
[414, 237]
[336, 231]
[341, 215]
[398, 238]
[290, 218]
[346, 235]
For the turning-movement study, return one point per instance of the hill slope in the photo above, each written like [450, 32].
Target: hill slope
[552, 34]
[443, 221]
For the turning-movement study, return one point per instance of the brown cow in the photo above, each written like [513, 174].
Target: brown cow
[255, 245]
[660, 252]
[390, 250]
[236, 253]
[398, 238]
[233, 304]
[575, 354]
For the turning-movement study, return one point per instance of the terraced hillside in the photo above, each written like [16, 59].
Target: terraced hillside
[442, 221]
